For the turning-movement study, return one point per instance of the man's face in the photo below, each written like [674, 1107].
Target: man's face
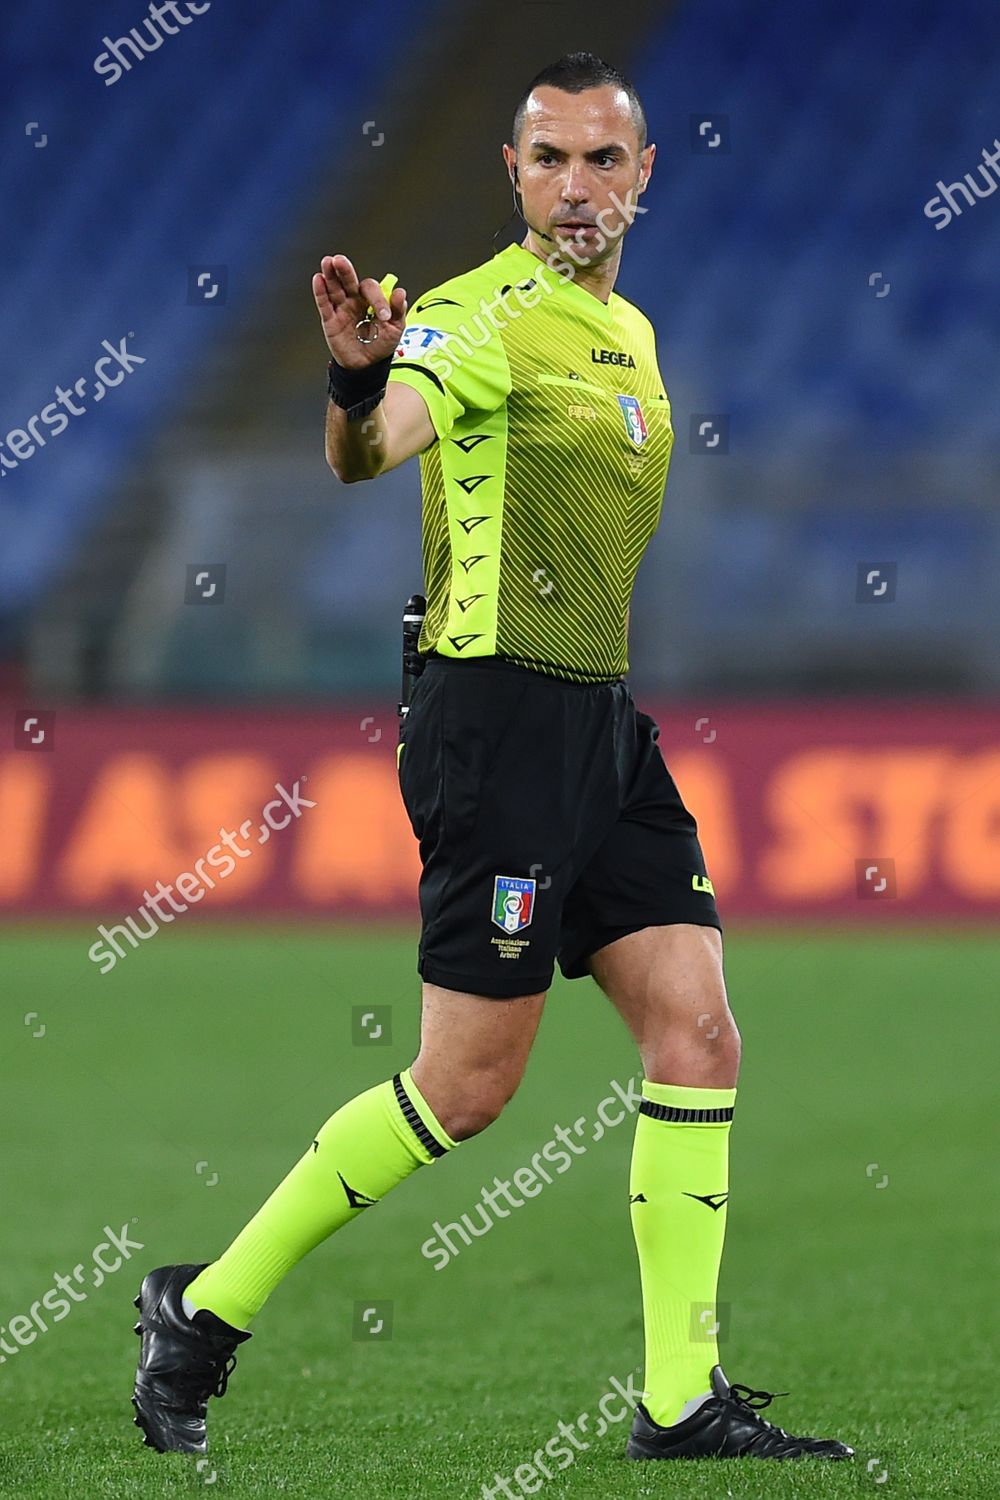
[579, 166]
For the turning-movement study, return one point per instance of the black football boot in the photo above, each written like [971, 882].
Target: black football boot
[183, 1362]
[727, 1425]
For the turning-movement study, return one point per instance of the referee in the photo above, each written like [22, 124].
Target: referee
[550, 829]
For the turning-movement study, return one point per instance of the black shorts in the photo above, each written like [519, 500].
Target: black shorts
[548, 824]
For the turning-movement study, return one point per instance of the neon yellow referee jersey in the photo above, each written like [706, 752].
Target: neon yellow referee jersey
[546, 482]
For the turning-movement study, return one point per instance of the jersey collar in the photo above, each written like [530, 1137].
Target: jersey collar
[523, 261]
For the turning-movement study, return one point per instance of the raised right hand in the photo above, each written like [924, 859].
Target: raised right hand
[342, 301]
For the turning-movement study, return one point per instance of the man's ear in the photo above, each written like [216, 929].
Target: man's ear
[646, 167]
[510, 161]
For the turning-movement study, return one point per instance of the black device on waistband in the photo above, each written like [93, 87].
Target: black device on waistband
[413, 662]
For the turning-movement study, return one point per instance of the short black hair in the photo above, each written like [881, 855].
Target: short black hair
[574, 72]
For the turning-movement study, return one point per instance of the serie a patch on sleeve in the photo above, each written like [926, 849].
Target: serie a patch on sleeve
[418, 341]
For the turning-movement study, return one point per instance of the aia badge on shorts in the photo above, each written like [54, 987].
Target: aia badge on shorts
[635, 422]
[513, 902]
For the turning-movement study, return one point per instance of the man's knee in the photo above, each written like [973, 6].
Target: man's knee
[467, 1105]
[473, 1053]
[727, 1046]
[466, 1096]
[711, 1037]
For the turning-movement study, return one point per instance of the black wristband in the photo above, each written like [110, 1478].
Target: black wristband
[358, 392]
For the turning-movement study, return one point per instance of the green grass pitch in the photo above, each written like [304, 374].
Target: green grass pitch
[172, 1094]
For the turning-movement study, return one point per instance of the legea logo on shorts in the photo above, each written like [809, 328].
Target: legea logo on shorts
[513, 902]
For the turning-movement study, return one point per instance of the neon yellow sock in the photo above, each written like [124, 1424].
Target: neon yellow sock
[678, 1187]
[372, 1143]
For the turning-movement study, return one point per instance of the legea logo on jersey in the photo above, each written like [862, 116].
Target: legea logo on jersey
[513, 902]
[635, 422]
[418, 341]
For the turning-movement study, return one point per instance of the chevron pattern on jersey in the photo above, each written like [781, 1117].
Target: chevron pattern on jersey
[546, 484]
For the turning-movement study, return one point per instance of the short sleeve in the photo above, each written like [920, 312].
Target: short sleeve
[453, 354]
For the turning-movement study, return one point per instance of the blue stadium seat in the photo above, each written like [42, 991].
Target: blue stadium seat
[199, 155]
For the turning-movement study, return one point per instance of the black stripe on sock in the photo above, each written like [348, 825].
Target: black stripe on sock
[685, 1116]
[416, 1124]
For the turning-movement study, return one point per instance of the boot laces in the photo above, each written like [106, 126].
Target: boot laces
[224, 1372]
[755, 1400]
[210, 1377]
